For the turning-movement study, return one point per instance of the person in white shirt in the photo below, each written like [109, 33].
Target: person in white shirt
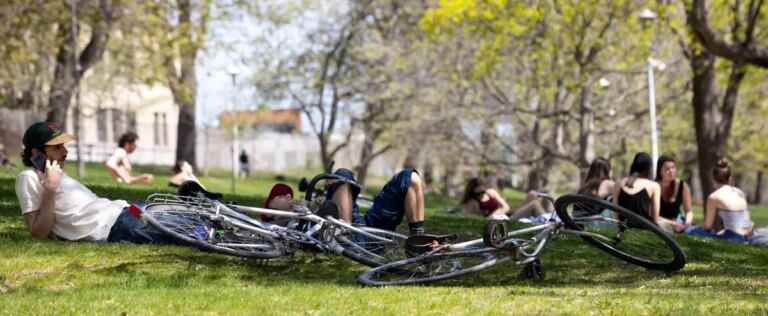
[119, 165]
[55, 205]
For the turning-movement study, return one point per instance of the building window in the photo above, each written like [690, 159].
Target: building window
[165, 130]
[101, 125]
[131, 121]
[118, 123]
[157, 129]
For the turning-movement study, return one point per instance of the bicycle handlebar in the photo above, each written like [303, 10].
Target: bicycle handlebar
[310, 191]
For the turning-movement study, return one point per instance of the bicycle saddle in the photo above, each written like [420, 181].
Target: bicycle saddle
[194, 189]
[419, 244]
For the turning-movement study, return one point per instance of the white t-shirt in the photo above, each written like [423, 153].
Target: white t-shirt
[119, 159]
[79, 214]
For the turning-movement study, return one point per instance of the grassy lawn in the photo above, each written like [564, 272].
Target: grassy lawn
[61, 278]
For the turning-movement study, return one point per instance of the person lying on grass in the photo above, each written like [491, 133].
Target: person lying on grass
[402, 197]
[55, 205]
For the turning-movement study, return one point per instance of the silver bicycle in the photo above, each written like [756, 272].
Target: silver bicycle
[236, 229]
[609, 227]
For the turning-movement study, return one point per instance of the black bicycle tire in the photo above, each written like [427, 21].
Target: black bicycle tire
[678, 261]
[350, 253]
[395, 268]
[150, 218]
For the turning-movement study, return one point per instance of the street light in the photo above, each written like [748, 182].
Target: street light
[233, 72]
[646, 17]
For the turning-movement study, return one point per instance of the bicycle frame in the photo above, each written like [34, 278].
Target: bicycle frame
[235, 215]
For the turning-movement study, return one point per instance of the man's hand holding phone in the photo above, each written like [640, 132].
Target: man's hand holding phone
[52, 177]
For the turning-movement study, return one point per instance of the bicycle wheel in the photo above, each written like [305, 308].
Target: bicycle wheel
[370, 251]
[197, 228]
[432, 267]
[620, 232]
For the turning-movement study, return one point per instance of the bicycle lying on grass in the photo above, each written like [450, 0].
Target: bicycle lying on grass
[609, 227]
[203, 221]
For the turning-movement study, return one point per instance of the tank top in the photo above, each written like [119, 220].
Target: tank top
[670, 210]
[488, 206]
[638, 203]
[735, 220]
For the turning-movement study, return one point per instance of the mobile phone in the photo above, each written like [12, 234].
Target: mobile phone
[38, 162]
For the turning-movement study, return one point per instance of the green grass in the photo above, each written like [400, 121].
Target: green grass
[67, 278]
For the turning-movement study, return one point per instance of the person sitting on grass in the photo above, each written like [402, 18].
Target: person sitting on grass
[674, 194]
[55, 205]
[483, 200]
[598, 182]
[118, 164]
[637, 192]
[729, 204]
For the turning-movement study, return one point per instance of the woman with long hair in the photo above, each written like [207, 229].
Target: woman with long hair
[482, 199]
[598, 181]
[637, 192]
[674, 194]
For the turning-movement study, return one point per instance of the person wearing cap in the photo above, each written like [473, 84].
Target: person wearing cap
[401, 197]
[119, 165]
[55, 205]
[280, 198]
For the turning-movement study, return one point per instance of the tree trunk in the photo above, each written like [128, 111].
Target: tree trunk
[758, 196]
[365, 157]
[713, 125]
[183, 84]
[586, 129]
[537, 176]
[65, 76]
[186, 137]
[63, 84]
[325, 158]
[449, 176]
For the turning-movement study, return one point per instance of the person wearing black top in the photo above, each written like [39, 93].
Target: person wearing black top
[637, 192]
[674, 194]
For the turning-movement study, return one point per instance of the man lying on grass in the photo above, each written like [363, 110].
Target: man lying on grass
[55, 205]
[402, 197]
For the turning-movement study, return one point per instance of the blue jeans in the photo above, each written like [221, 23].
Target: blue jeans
[727, 235]
[128, 228]
[389, 205]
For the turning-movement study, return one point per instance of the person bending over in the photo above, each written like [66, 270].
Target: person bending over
[55, 205]
[637, 192]
[118, 164]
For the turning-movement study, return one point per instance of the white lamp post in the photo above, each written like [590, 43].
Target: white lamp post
[233, 72]
[647, 16]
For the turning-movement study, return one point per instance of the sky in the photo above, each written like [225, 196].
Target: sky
[234, 46]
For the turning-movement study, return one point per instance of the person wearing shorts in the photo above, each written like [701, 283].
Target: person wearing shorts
[402, 197]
